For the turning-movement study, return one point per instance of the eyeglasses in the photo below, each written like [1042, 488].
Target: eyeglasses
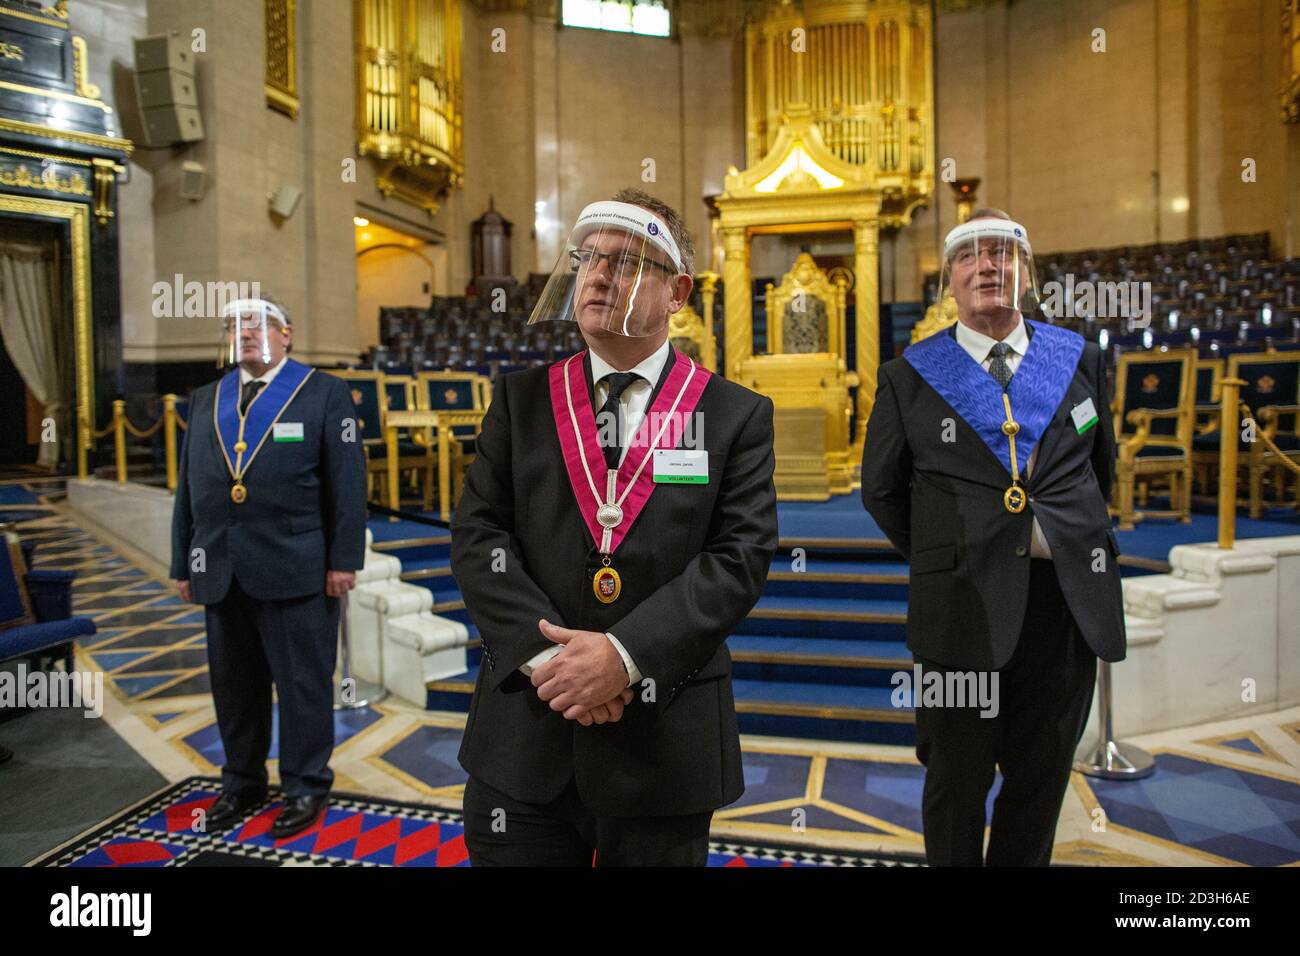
[619, 262]
[998, 254]
[249, 322]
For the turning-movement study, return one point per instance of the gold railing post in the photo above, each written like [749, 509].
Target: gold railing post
[1229, 436]
[169, 438]
[119, 438]
[394, 486]
[83, 445]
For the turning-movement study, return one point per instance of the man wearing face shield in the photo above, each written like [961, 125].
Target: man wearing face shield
[268, 530]
[617, 523]
[988, 463]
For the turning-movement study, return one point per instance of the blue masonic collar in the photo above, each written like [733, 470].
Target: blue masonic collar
[1035, 392]
[250, 430]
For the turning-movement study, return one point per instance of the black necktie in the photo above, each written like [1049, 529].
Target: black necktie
[251, 388]
[612, 411]
[999, 368]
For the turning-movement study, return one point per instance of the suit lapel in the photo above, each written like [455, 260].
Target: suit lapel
[1060, 422]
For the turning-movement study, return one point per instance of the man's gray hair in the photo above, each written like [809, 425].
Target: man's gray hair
[988, 212]
[639, 197]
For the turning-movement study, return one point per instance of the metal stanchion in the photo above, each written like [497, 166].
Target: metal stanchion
[1108, 758]
[350, 696]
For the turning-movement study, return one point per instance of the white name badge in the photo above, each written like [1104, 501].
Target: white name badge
[288, 431]
[1084, 415]
[681, 466]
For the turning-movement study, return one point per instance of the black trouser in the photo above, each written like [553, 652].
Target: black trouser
[293, 642]
[1045, 694]
[502, 831]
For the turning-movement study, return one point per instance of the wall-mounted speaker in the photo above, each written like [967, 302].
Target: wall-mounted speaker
[166, 91]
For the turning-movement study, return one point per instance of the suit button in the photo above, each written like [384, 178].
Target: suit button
[1021, 551]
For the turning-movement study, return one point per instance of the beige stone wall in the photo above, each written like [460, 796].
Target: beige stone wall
[1141, 142]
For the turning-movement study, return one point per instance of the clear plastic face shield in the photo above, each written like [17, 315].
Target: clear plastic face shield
[988, 267]
[617, 273]
[247, 329]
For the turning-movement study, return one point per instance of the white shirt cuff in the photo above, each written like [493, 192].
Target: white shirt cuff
[633, 674]
[537, 660]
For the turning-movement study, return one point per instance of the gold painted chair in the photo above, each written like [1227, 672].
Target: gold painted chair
[454, 391]
[372, 394]
[1272, 392]
[810, 311]
[1154, 409]
[687, 333]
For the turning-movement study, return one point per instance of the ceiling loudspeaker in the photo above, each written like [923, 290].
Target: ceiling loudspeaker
[166, 91]
[285, 200]
[194, 180]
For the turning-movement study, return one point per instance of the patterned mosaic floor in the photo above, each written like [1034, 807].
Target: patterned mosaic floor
[355, 831]
[1223, 794]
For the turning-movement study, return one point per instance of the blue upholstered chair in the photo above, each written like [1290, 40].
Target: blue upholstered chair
[36, 622]
[374, 393]
[1155, 407]
[1272, 392]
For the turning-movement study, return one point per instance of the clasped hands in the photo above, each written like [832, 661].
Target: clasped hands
[587, 680]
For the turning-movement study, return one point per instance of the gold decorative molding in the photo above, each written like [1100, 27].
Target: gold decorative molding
[37, 154]
[281, 27]
[862, 71]
[938, 316]
[687, 331]
[46, 180]
[83, 85]
[57, 95]
[410, 97]
[105, 177]
[67, 135]
[78, 218]
[818, 193]
[55, 16]
[1291, 61]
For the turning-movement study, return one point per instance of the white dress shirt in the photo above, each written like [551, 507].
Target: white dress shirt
[977, 346]
[636, 399]
[245, 376]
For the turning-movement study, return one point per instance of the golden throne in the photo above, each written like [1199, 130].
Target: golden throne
[805, 375]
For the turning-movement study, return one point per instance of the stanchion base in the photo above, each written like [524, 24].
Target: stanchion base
[364, 694]
[1110, 760]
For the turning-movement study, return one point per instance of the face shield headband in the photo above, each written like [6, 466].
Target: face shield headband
[988, 263]
[248, 314]
[615, 274]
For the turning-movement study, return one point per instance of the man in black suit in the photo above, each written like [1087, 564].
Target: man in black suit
[988, 463]
[605, 564]
[268, 530]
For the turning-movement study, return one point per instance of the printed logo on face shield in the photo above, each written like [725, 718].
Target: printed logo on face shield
[653, 229]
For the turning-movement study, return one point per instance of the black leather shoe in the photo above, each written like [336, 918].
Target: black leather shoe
[299, 814]
[229, 808]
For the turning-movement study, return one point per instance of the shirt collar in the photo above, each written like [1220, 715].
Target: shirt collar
[977, 344]
[649, 368]
[268, 376]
